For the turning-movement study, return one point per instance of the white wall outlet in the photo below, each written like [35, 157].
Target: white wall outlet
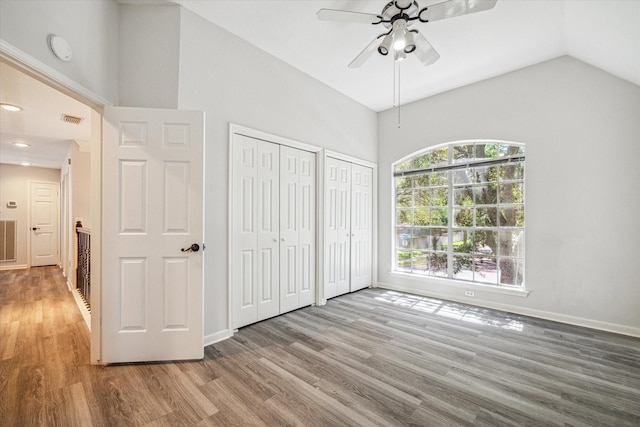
[469, 293]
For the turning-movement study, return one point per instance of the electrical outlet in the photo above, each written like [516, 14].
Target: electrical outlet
[469, 293]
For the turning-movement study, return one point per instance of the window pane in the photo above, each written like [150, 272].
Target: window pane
[420, 239]
[438, 216]
[403, 238]
[511, 271]
[403, 183]
[463, 153]
[512, 150]
[486, 194]
[462, 241]
[404, 260]
[512, 193]
[486, 174]
[485, 270]
[421, 180]
[463, 196]
[511, 243]
[423, 197]
[485, 242]
[437, 239]
[438, 263]
[404, 166]
[404, 217]
[421, 217]
[420, 261]
[463, 267]
[486, 217]
[512, 216]
[404, 198]
[463, 217]
[462, 176]
[422, 161]
[440, 196]
[512, 171]
[438, 178]
[487, 151]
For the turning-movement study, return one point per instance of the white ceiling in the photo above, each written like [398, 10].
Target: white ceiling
[512, 35]
[39, 123]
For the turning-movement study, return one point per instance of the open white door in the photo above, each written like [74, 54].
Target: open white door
[44, 230]
[152, 198]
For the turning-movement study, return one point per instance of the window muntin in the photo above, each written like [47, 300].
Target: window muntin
[470, 194]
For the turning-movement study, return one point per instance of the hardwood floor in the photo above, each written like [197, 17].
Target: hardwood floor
[375, 357]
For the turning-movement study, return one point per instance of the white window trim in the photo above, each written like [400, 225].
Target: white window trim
[452, 282]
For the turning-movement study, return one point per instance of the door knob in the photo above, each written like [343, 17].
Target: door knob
[193, 248]
[35, 228]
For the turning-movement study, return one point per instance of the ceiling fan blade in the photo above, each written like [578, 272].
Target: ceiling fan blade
[452, 8]
[347, 16]
[424, 51]
[366, 53]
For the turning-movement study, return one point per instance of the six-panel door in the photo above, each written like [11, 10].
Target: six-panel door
[153, 209]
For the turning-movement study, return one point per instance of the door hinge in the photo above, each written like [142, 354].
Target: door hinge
[69, 161]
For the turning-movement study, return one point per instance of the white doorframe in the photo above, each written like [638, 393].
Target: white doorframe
[264, 136]
[55, 79]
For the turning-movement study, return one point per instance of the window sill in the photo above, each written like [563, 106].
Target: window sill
[458, 284]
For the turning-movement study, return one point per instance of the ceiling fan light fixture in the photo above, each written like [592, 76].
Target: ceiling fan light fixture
[385, 46]
[410, 43]
[399, 55]
[399, 34]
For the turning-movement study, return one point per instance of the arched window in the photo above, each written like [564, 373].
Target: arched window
[459, 212]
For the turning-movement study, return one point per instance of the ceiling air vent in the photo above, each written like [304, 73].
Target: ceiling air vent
[71, 119]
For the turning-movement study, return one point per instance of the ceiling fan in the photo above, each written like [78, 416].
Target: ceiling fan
[396, 17]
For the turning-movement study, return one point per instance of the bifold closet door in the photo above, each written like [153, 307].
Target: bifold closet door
[297, 228]
[255, 256]
[337, 227]
[361, 227]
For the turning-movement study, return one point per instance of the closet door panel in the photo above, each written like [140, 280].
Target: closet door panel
[331, 228]
[245, 242]
[289, 228]
[306, 228]
[361, 227]
[343, 228]
[268, 224]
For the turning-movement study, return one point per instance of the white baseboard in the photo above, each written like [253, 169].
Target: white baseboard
[13, 267]
[547, 315]
[217, 337]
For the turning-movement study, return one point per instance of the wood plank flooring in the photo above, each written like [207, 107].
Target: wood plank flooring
[375, 357]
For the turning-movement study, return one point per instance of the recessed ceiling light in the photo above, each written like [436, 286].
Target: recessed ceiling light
[21, 144]
[10, 107]
[25, 163]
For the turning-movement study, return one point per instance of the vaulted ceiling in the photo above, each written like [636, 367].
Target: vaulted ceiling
[512, 35]
[474, 47]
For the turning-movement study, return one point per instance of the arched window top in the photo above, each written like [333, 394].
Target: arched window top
[459, 152]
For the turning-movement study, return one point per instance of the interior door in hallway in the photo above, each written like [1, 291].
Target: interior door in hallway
[152, 235]
[44, 226]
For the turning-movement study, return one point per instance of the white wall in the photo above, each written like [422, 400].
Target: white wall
[90, 27]
[581, 128]
[14, 185]
[149, 56]
[233, 81]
